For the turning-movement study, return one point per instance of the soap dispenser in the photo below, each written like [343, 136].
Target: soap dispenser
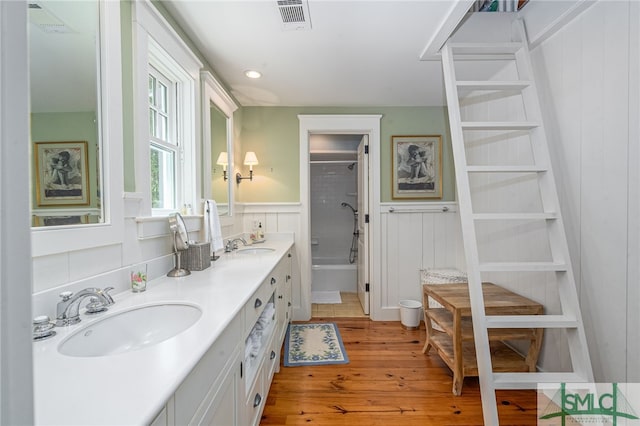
[260, 232]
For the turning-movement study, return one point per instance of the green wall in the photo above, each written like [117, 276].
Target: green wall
[67, 127]
[273, 133]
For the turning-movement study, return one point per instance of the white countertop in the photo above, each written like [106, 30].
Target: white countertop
[132, 387]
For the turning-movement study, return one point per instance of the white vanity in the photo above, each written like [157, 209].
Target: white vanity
[215, 372]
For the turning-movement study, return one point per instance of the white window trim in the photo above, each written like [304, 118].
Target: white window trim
[213, 91]
[150, 32]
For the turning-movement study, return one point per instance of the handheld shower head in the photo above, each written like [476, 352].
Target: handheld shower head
[350, 206]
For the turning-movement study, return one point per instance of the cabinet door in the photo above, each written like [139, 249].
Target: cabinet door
[161, 419]
[195, 392]
[225, 405]
[283, 303]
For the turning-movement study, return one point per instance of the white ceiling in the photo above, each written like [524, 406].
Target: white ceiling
[357, 53]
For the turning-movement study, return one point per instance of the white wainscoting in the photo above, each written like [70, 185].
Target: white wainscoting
[414, 236]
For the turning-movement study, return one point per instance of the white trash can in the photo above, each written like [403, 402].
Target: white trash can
[410, 314]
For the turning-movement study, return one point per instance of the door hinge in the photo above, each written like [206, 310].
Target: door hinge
[241, 369]
[366, 149]
[366, 287]
[366, 218]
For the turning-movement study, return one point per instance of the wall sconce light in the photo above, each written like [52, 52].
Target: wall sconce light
[250, 160]
[223, 160]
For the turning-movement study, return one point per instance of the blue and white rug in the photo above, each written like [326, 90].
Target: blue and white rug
[314, 344]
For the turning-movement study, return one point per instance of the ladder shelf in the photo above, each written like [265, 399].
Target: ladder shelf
[545, 209]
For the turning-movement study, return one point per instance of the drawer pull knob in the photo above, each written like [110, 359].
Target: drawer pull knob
[257, 303]
[257, 400]
[273, 281]
[273, 355]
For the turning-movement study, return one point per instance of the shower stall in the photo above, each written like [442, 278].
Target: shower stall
[333, 197]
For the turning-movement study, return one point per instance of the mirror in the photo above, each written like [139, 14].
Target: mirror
[219, 159]
[180, 243]
[218, 108]
[50, 240]
[64, 58]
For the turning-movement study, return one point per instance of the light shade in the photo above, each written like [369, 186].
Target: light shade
[250, 159]
[223, 159]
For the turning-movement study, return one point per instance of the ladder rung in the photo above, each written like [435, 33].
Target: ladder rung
[515, 216]
[484, 48]
[531, 380]
[522, 266]
[506, 169]
[531, 321]
[493, 85]
[498, 125]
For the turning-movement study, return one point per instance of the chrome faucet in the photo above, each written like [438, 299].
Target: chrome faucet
[68, 309]
[233, 244]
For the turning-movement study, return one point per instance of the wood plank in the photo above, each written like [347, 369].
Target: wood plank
[497, 300]
[389, 381]
[445, 320]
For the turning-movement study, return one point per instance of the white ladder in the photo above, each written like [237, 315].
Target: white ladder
[549, 212]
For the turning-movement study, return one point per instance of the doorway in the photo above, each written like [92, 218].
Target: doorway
[336, 195]
[344, 125]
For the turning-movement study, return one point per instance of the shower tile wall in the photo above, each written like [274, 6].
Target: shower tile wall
[332, 224]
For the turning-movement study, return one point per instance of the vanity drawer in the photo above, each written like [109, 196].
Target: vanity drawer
[272, 360]
[257, 303]
[255, 399]
[189, 395]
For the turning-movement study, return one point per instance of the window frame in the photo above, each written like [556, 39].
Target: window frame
[171, 142]
[157, 45]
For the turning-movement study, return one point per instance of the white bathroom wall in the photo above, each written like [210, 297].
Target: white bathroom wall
[415, 236]
[521, 240]
[587, 76]
[331, 224]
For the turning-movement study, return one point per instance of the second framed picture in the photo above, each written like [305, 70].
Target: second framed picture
[417, 167]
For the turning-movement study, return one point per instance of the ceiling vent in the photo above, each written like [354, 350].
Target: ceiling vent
[294, 15]
[44, 20]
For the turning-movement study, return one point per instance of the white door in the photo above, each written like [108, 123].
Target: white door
[363, 226]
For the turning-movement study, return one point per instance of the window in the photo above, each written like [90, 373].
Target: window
[167, 105]
[164, 148]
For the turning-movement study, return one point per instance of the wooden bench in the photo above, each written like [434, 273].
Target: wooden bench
[455, 344]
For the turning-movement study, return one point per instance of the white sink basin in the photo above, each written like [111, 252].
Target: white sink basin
[130, 330]
[255, 250]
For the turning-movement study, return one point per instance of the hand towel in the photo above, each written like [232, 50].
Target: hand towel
[212, 226]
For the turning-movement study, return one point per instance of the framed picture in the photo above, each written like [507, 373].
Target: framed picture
[61, 174]
[417, 167]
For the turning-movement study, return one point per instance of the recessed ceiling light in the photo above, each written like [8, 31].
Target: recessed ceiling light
[252, 74]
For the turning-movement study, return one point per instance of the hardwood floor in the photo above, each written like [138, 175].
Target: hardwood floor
[389, 381]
